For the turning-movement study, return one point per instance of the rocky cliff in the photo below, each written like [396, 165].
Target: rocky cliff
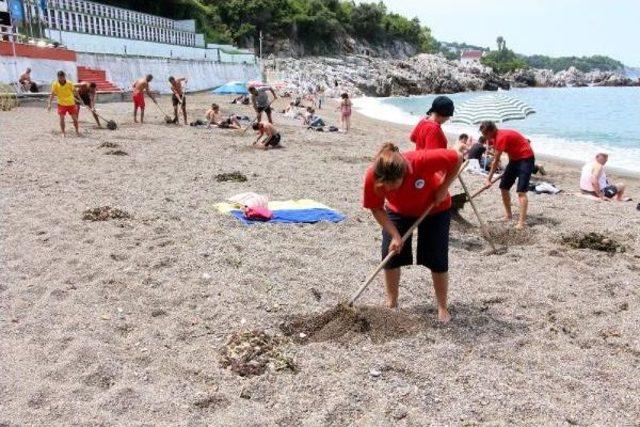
[571, 77]
[372, 76]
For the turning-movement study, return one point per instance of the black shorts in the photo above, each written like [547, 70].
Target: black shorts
[175, 101]
[433, 242]
[85, 98]
[520, 170]
[265, 109]
[273, 141]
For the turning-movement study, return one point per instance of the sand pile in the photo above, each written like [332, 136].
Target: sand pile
[595, 241]
[104, 213]
[231, 176]
[342, 323]
[251, 352]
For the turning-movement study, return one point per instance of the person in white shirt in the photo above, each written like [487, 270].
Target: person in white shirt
[594, 182]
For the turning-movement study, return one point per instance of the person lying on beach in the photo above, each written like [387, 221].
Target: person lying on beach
[214, 118]
[65, 91]
[345, 112]
[269, 134]
[141, 86]
[242, 99]
[428, 133]
[178, 98]
[87, 94]
[261, 102]
[520, 166]
[398, 188]
[594, 182]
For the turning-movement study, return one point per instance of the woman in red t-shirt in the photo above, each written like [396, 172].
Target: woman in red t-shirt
[398, 188]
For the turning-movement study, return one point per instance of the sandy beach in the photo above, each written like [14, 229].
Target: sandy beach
[122, 322]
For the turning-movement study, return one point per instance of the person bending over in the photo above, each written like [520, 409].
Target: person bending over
[268, 136]
[178, 98]
[398, 189]
[141, 86]
[261, 102]
[520, 166]
[88, 92]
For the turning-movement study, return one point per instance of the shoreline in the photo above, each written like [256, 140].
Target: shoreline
[373, 109]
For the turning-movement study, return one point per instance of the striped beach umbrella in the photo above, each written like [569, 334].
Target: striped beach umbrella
[495, 107]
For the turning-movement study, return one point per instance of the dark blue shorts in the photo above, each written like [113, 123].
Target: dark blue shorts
[520, 170]
[433, 242]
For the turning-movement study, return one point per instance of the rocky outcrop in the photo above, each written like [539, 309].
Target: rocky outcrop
[571, 77]
[373, 76]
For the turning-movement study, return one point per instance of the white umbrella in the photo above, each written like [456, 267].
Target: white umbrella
[497, 108]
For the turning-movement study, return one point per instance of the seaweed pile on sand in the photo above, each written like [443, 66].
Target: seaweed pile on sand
[595, 241]
[104, 213]
[231, 176]
[251, 352]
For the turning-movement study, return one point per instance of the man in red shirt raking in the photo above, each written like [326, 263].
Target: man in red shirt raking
[428, 134]
[520, 167]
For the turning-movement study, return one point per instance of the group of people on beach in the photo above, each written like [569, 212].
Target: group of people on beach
[399, 187]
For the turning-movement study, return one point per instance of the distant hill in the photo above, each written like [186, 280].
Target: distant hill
[584, 63]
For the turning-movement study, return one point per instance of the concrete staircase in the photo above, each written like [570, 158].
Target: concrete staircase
[99, 77]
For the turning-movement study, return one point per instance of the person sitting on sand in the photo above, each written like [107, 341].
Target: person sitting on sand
[261, 102]
[25, 81]
[271, 137]
[178, 98]
[242, 99]
[141, 86]
[594, 182]
[520, 166]
[464, 143]
[65, 91]
[428, 132]
[88, 92]
[345, 112]
[398, 189]
[215, 118]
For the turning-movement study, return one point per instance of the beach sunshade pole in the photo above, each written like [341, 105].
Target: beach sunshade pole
[391, 254]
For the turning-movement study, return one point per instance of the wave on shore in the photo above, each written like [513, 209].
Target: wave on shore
[625, 159]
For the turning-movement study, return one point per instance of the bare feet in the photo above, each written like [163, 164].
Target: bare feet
[520, 225]
[443, 316]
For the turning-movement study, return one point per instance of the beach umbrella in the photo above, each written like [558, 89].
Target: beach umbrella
[238, 88]
[497, 108]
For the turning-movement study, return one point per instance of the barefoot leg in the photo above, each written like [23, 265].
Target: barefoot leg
[441, 286]
[392, 283]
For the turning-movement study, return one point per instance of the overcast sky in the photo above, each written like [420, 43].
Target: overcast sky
[550, 27]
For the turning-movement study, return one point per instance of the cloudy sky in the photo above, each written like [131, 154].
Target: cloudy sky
[550, 27]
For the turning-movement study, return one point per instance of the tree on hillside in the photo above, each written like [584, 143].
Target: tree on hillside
[501, 43]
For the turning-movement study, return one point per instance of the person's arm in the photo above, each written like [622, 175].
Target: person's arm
[94, 97]
[273, 92]
[595, 181]
[382, 218]
[494, 166]
[451, 174]
[260, 134]
[148, 90]
[51, 95]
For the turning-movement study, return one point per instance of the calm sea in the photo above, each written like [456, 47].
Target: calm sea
[571, 123]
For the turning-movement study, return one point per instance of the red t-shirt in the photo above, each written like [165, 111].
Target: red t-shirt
[514, 144]
[426, 169]
[428, 135]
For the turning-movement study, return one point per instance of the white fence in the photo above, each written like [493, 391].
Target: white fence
[99, 44]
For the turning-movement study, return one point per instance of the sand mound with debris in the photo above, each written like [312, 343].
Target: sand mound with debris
[342, 323]
[104, 213]
[595, 241]
[252, 352]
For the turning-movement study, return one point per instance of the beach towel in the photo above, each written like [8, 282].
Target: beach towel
[288, 212]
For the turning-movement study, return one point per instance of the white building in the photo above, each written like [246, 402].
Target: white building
[471, 57]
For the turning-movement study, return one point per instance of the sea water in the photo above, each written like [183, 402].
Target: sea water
[570, 123]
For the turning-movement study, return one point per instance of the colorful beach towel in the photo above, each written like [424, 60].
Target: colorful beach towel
[288, 212]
